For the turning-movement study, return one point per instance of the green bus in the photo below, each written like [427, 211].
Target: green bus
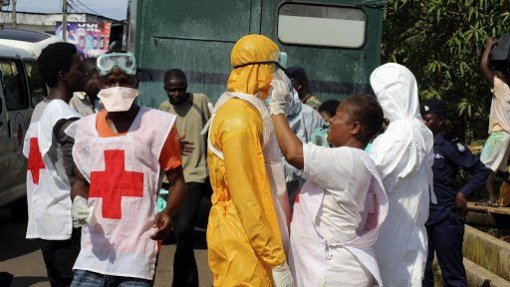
[336, 41]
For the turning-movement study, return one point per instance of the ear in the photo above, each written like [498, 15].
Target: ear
[61, 76]
[355, 128]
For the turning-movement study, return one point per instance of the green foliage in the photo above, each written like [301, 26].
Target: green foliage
[442, 41]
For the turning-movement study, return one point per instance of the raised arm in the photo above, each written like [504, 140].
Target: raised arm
[487, 72]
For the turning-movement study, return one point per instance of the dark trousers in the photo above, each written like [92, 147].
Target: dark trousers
[59, 257]
[185, 266]
[445, 239]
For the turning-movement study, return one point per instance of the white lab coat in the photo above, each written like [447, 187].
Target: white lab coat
[337, 216]
[404, 157]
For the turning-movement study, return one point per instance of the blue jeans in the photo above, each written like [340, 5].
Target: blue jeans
[83, 278]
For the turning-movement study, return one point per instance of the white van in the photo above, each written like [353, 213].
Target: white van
[31, 41]
[21, 88]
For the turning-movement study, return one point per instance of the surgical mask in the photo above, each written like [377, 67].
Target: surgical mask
[117, 99]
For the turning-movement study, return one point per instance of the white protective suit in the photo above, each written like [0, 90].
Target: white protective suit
[404, 157]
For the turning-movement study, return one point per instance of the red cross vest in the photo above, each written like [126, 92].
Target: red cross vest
[124, 175]
[48, 192]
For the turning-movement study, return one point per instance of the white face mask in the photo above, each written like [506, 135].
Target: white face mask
[117, 99]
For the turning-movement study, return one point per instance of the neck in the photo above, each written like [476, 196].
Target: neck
[354, 143]
[123, 116]
[60, 92]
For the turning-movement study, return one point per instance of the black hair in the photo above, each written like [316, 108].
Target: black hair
[329, 107]
[175, 73]
[55, 58]
[366, 110]
[297, 73]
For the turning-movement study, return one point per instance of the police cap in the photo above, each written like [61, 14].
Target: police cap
[433, 106]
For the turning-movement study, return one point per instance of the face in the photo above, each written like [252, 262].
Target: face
[118, 79]
[75, 77]
[175, 88]
[91, 80]
[325, 116]
[434, 122]
[296, 85]
[342, 129]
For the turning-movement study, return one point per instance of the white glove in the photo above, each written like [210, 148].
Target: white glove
[280, 93]
[282, 276]
[81, 212]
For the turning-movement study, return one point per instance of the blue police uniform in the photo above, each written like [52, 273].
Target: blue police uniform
[444, 228]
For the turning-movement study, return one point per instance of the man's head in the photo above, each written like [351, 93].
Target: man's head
[357, 119]
[328, 109]
[254, 59]
[299, 80]
[60, 67]
[91, 78]
[434, 114]
[118, 81]
[176, 86]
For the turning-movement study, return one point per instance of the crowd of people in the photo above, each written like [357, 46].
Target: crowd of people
[360, 192]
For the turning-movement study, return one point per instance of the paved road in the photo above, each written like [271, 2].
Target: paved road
[23, 258]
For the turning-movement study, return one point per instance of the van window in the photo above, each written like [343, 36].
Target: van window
[12, 84]
[342, 27]
[36, 84]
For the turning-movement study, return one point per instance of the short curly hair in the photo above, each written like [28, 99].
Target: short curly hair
[54, 58]
[366, 110]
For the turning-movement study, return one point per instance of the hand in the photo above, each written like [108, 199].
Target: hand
[282, 276]
[280, 93]
[491, 42]
[163, 225]
[186, 147]
[461, 205]
[81, 212]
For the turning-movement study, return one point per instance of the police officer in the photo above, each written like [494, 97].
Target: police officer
[445, 226]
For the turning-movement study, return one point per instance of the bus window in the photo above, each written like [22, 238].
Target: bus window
[37, 87]
[15, 98]
[321, 25]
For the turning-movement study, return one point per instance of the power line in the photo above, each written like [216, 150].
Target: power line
[90, 9]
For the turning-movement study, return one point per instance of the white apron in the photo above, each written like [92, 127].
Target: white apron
[311, 245]
[124, 174]
[271, 151]
[48, 193]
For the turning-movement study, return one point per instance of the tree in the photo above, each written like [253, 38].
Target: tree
[441, 42]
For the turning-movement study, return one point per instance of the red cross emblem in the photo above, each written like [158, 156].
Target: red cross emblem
[114, 183]
[35, 161]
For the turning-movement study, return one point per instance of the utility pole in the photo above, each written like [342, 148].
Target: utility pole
[64, 20]
[14, 23]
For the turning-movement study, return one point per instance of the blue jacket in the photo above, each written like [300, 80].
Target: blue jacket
[449, 157]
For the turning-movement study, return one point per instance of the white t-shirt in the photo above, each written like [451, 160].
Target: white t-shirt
[346, 181]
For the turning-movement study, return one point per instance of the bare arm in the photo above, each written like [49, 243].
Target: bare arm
[487, 72]
[291, 146]
[80, 185]
[177, 193]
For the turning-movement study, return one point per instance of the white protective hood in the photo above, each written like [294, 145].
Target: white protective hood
[407, 143]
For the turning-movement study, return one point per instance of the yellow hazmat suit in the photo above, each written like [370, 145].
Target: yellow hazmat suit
[244, 240]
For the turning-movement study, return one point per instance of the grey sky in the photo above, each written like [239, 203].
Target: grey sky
[115, 9]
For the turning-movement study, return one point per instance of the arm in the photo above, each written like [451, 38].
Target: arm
[80, 185]
[291, 146]
[487, 72]
[249, 188]
[171, 163]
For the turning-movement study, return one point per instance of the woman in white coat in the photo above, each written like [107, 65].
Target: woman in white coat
[404, 156]
[338, 211]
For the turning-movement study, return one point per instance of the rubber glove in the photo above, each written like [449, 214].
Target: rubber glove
[81, 212]
[282, 276]
[280, 93]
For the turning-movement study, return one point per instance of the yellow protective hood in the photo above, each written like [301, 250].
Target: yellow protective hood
[252, 79]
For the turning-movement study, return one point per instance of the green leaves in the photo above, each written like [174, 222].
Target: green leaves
[441, 41]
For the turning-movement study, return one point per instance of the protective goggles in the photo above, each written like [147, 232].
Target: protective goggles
[278, 65]
[125, 61]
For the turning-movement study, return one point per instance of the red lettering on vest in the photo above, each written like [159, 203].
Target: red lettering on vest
[114, 183]
[35, 161]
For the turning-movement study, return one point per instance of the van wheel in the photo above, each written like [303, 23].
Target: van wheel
[19, 210]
